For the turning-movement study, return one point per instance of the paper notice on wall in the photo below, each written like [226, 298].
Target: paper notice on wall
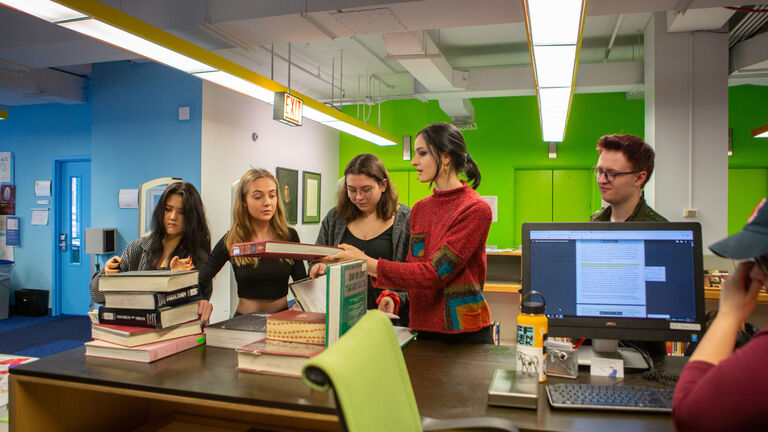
[2, 224]
[6, 252]
[39, 216]
[493, 201]
[43, 188]
[5, 167]
[311, 193]
[128, 198]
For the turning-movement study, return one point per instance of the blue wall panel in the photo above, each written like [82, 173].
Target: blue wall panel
[37, 134]
[137, 136]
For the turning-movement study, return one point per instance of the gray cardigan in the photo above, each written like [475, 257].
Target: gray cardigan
[135, 257]
[332, 230]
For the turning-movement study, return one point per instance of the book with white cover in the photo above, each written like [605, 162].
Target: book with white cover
[148, 280]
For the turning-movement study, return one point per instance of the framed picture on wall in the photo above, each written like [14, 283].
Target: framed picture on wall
[288, 180]
[311, 201]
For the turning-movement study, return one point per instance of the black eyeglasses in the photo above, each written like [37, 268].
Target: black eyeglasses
[610, 175]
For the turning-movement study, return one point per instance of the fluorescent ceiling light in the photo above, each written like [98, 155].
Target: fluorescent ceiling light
[127, 41]
[554, 65]
[554, 99]
[318, 116]
[359, 132]
[553, 125]
[44, 9]
[554, 22]
[239, 85]
[761, 132]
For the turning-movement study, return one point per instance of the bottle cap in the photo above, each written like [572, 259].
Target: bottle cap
[532, 307]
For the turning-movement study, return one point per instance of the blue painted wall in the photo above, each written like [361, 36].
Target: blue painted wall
[137, 136]
[131, 132]
[37, 134]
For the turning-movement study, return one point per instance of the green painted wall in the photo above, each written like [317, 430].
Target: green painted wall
[508, 141]
[508, 138]
[748, 167]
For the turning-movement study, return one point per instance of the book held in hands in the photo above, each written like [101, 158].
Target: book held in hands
[148, 280]
[297, 326]
[346, 297]
[282, 250]
[238, 331]
[275, 357]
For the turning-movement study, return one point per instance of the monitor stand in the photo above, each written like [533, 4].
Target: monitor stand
[609, 348]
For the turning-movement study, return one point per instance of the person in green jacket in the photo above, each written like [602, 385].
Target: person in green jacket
[624, 167]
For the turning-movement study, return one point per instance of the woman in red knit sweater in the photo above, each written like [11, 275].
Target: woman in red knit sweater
[446, 265]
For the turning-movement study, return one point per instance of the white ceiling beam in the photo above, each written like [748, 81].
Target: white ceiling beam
[457, 108]
[45, 85]
[518, 81]
[750, 56]
[698, 19]
[420, 56]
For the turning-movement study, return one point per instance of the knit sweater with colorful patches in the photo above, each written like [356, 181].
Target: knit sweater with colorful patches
[445, 269]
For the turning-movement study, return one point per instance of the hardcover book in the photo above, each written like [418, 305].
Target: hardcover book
[131, 336]
[149, 280]
[275, 357]
[151, 300]
[143, 353]
[297, 326]
[346, 297]
[238, 331]
[158, 318]
[283, 250]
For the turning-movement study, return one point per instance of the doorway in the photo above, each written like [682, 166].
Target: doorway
[72, 214]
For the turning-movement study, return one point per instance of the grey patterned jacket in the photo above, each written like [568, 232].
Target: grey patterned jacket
[135, 257]
[332, 230]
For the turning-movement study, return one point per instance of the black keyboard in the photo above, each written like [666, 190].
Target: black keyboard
[610, 397]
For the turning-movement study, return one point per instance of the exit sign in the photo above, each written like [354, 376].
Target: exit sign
[288, 109]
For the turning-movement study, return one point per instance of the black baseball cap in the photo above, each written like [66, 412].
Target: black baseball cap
[751, 242]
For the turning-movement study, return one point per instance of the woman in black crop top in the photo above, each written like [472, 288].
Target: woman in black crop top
[258, 215]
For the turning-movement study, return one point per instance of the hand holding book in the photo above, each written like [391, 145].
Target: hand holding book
[351, 253]
[181, 264]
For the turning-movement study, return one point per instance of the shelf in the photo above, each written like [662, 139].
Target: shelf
[501, 287]
[714, 295]
[510, 253]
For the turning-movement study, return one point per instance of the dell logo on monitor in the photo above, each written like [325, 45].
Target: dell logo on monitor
[611, 323]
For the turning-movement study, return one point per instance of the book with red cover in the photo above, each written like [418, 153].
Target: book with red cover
[131, 336]
[143, 353]
[297, 326]
[283, 250]
[275, 357]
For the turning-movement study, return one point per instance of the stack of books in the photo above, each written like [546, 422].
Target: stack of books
[238, 331]
[292, 338]
[147, 315]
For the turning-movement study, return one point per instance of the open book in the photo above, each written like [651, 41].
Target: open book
[310, 295]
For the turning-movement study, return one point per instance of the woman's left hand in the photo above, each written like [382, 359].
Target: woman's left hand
[204, 309]
[181, 264]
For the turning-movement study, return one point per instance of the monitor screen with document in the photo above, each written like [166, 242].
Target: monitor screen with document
[622, 281]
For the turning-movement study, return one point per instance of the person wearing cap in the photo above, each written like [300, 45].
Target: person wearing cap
[723, 389]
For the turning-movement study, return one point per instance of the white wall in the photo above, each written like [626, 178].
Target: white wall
[229, 120]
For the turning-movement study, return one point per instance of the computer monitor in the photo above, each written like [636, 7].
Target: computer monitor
[617, 281]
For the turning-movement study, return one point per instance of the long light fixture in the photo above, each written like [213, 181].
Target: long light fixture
[761, 132]
[554, 29]
[104, 23]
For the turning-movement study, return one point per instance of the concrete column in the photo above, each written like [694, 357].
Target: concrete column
[686, 122]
